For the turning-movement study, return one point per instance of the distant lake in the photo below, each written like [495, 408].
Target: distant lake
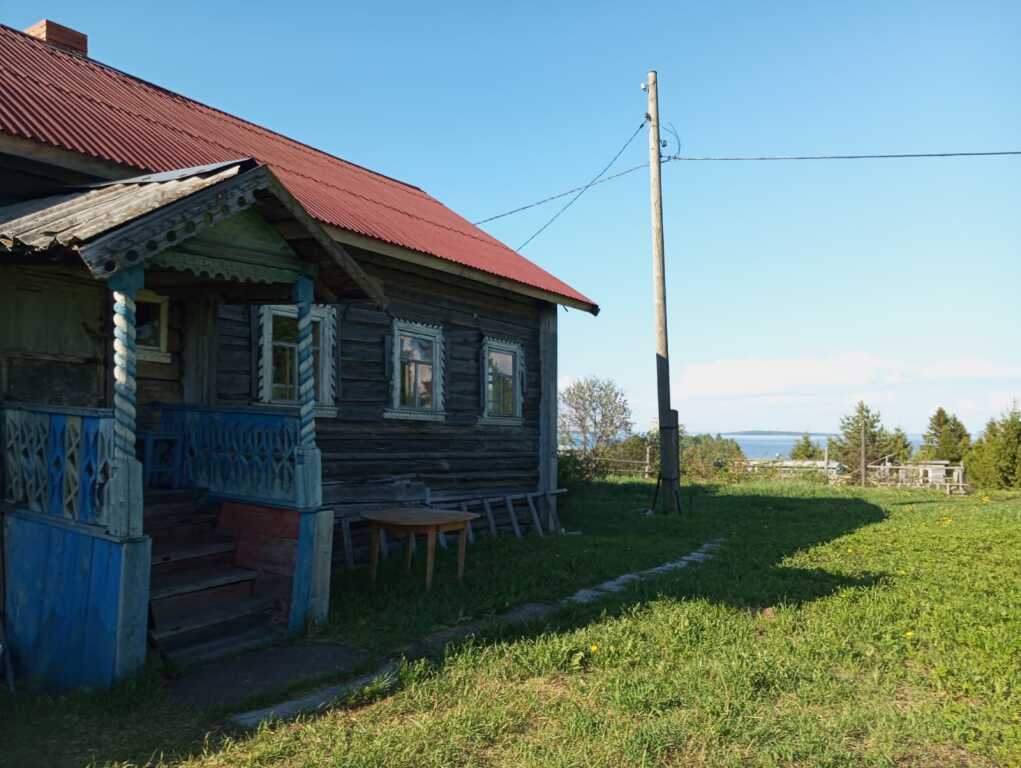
[768, 446]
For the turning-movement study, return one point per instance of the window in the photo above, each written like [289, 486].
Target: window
[503, 371]
[417, 371]
[151, 321]
[278, 361]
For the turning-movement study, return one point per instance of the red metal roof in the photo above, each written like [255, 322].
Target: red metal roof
[78, 104]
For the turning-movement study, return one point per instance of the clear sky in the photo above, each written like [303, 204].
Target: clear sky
[794, 288]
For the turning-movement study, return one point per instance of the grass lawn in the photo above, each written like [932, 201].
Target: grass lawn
[833, 628]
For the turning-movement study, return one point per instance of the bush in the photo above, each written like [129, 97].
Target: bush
[705, 458]
[577, 466]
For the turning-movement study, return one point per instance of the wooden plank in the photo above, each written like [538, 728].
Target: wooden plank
[535, 515]
[554, 518]
[513, 516]
[471, 531]
[489, 517]
[196, 579]
[548, 399]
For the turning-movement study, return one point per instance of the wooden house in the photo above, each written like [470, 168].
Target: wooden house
[217, 347]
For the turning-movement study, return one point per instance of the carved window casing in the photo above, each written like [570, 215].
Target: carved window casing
[503, 381]
[278, 356]
[417, 371]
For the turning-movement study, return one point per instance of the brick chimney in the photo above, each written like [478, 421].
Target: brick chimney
[59, 36]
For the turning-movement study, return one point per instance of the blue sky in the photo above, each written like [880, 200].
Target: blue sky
[794, 288]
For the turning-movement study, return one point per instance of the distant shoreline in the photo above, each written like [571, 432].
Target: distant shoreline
[775, 433]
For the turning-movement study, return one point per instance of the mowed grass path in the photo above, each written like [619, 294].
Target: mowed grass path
[833, 628]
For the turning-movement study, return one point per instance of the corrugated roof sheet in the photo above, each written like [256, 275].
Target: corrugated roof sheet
[81, 105]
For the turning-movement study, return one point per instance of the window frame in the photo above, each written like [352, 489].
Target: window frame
[516, 349]
[148, 352]
[428, 332]
[326, 316]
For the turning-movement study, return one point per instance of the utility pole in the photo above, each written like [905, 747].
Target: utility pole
[669, 464]
[862, 441]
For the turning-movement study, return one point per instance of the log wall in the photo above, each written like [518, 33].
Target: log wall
[460, 453]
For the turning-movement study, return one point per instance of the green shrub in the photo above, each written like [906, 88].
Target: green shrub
[576, 467]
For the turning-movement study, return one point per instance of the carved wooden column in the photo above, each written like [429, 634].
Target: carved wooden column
[310, 593]
[126, 483]
[309, 460]
[306, 361]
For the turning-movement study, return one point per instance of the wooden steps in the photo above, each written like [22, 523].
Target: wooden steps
[174, 622]
[197, 579]
[237, 641]
[174, 550]
[203, 605]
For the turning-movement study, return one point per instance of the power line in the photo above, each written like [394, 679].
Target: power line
[582, 190]
[691, 158]
[551, 198]
[846, 157]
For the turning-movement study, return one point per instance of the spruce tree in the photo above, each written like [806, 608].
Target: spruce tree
[847, 447]
[806, 450]
[946, 438]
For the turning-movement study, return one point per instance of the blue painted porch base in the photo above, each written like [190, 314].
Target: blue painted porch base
[310, 587]
[76, 602]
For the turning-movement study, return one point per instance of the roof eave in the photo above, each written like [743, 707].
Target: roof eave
[454, 268]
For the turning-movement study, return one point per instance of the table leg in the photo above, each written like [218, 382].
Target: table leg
[409, 547]
[462, 545]
[374, 552]
[430, 557]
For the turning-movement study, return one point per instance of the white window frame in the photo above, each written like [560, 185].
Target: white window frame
[490, 344]
[160, 352]
[433, 333]
[326, 316]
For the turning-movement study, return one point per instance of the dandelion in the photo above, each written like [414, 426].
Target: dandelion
[902, 572]
[909, 633]
[593, 648]
[985, 499]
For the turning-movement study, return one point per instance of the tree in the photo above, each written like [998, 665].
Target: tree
[594, 414]
[994, 461]
[946, 438]
[806, 450]
[847, 447]
[705, 457]
[895, 446]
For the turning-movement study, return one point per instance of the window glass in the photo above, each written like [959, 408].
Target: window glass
[500, 384]
[416, 372]
[285, 357]
[416, 348]
[148, 319]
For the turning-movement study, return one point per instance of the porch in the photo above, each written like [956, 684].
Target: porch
[187, 523]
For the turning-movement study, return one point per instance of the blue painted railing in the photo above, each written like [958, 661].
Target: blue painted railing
[58, 461]
[243, 454]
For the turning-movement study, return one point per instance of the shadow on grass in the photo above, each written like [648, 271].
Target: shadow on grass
[760, 530]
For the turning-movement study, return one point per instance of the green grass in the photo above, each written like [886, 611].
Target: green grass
[834, 628]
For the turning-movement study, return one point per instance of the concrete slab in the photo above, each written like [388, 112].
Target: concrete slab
[317, 701]
[232, 681]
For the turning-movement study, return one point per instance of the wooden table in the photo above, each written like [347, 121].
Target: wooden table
[408, 521]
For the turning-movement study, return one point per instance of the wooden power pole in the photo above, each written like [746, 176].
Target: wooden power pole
[668, 445]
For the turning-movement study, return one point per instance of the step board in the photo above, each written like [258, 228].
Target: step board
[173, 623]
[196, 579]
[173, 550]
[247, 639]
